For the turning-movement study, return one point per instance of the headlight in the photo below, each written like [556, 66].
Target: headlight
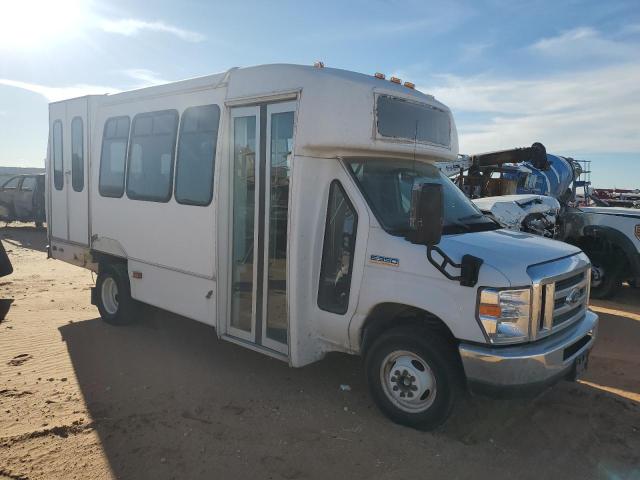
[505, 314]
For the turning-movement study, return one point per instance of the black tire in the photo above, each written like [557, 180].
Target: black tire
[125, 309]
[443, 365]
[605, 279]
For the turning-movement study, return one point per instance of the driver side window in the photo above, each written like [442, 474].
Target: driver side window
[337, 252]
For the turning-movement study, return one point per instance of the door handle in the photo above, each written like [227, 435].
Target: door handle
[68, 172]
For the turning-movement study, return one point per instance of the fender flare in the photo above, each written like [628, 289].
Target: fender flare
[620, 240]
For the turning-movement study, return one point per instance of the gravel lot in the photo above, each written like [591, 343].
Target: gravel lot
[165, 399]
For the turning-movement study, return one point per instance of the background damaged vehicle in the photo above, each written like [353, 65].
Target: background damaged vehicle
[530, 190]
[22, 199]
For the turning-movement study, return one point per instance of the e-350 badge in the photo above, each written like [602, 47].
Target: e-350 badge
[386, 261]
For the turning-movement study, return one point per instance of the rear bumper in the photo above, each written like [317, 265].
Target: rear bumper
[528, 367]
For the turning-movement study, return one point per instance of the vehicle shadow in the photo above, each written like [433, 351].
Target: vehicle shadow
[24, 235]
[168, 399]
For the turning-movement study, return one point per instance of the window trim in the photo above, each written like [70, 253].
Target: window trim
[53, 153]
[336, 183]
[124, 175]
[35, 185]
[166, 199]
[73, 183]
[214, 159]
[18, 185]
[414, 101]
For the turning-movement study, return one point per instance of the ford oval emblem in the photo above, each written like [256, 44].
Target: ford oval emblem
[573, 297]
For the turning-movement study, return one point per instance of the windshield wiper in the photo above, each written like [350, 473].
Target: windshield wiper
[457, 223]
[471, 217]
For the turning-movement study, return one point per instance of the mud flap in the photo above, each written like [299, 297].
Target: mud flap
[94, 296]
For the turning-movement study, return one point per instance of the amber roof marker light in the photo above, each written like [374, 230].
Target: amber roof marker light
[395, 80]
[379, 76]
[410, 85]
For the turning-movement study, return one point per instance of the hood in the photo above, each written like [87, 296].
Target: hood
[506, 248]
[626, 212]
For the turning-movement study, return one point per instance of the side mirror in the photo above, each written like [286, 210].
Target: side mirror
[427, 214]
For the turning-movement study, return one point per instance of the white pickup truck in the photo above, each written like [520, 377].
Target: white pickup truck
[610, 236]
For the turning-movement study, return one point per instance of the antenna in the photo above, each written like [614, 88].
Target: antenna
[415, 145]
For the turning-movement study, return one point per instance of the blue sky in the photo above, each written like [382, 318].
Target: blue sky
[514, 72]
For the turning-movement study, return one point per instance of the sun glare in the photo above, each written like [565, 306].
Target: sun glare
[32, 24]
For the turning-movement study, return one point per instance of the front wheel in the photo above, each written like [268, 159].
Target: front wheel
[113, 296]
[414, 377]
[605, 279]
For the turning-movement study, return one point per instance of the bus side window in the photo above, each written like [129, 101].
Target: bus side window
[77, 155]
[58, 173]
[337, 252]
[151, 153]
[112, 158]
[197, 155]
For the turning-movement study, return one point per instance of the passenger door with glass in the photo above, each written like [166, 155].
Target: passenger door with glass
[68, 154]
[24, 201]
[261, 140]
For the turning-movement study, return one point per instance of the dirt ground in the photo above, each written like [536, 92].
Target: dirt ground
[165, 399]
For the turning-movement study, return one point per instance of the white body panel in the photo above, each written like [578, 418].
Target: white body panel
[180, 257]
[624, 220]
[69, 214]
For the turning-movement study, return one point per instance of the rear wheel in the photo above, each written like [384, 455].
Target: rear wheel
[113, 296]
[414, 377]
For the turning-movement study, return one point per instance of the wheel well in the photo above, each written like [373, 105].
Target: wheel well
[386, 316]
[105, 259]
[599, 247]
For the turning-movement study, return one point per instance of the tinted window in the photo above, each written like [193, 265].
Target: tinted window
[77, 155]
[28, 184]
[197, 155]
[112, 158]
[58, 173]
[337, 252]
[12, 183]
[150, 162]
[399, 118]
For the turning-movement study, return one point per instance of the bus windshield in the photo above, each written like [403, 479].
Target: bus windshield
[387, 186]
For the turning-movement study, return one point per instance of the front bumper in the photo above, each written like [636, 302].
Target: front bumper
[531, 366]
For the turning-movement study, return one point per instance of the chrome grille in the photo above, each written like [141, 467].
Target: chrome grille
[559, 299]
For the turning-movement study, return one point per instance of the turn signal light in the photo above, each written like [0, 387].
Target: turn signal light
[395, 80]
[379, 75]
[489, 310]
[410, 85]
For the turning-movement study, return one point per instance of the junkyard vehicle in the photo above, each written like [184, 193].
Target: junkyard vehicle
[299, 211]
[544, 187]
[22, 199]
[610, 236]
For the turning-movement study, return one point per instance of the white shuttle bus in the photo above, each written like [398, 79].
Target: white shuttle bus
[298, 210]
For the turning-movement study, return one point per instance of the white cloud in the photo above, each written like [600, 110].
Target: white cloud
[146, 77]
[131, 27]
[53, 94]
[596, 110]
[141, 76]
[584, 42]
